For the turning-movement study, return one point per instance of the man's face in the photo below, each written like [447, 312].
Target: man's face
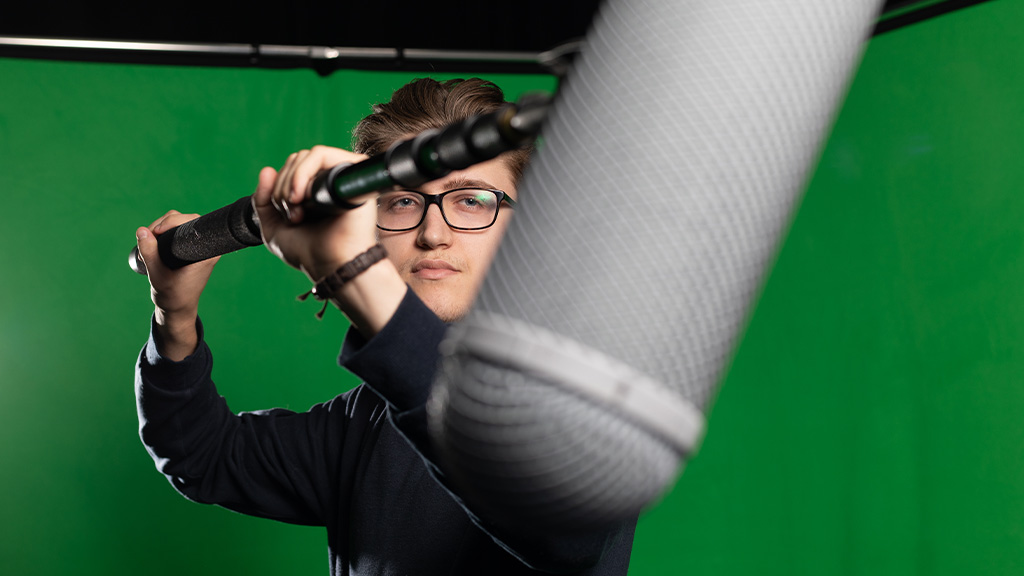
[446, 267]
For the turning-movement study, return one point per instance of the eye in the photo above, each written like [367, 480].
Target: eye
[473, 200]
[397, 202]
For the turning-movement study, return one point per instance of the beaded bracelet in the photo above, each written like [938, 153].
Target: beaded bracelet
[325, 289]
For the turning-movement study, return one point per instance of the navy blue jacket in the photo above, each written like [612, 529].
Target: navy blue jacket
[360, 464]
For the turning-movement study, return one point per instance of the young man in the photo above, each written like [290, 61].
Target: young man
[361, 464]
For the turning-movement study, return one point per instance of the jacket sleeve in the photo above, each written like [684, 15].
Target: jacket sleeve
[269, 463]
[399, 364]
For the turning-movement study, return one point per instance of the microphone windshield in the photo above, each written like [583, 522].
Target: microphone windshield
[673, 159]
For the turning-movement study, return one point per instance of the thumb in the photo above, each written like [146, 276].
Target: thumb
[261, 201]
[264, 187]
[147, 243]
[147, 251]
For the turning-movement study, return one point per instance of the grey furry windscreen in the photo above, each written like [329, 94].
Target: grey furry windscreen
[672, 161]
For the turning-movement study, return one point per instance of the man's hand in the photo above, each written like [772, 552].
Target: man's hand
[175, 293]
[318, 248]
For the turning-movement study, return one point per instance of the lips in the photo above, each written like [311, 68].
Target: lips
[433, 269]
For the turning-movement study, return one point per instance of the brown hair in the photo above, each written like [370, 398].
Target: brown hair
[424, 104]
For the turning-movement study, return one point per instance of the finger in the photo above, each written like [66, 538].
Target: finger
[282, 187]
[159, 220]
[319, 158]
[295, 213]
[276, 192]
[172, 220]
[289, 202]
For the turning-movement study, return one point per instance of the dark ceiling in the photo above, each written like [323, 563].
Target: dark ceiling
[531, 26]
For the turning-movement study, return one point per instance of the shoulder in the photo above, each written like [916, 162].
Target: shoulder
[359, 404]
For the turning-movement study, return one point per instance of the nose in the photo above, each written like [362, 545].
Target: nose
[433, 231]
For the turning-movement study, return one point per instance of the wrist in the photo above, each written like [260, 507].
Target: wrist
[371, 299]
[176, 336]
[329, 263]
[367, 289]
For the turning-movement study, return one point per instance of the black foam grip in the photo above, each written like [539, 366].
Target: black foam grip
[224, 230]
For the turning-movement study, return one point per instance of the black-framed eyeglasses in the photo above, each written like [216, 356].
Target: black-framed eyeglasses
[461, 208]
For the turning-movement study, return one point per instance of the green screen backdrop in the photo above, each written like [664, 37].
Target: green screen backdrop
[869, 424]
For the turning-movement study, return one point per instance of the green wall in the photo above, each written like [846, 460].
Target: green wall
[871, 421]
[869, 424]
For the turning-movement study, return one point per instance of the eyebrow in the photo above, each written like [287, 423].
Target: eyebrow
[454, 183]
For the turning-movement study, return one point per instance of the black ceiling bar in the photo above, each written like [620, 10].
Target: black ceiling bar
[324, 59]
[925, 11]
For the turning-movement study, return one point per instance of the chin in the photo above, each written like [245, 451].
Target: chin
[445, 308]
[449, 313]
[452, 318]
